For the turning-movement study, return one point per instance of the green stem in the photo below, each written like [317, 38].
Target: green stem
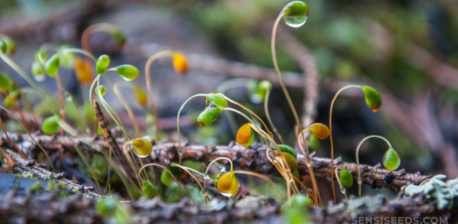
[360, 182]
[277, 71]
[126, 105]
[330, 136]
[271, 123]
[180, 150]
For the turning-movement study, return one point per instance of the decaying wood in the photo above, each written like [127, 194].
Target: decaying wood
[252, 159]
[29, 166]
[50, 208]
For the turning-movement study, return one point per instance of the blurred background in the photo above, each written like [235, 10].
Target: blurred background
[406, 49]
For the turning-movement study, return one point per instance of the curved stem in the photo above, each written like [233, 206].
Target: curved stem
[250, 112]
[246, 172]
[277, 71]
[10, 141]
[342, 188]
[125, 104]
[180, 150]
[216, 160]
[167, 170]
[149, 89]
[357, 157]
[91, 88]
[266, 110]
[204, 192]
[80, 51]
[91, 29]
[330, 136]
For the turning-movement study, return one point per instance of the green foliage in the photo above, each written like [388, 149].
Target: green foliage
[297, 212]
[288, 149]
[52, 65]
[50, 125]
[127, 72]
[102, 64]
[372, 97]
[436, 187]
[4, 82]
[3, 47]
[391, 159]
[113, 210]
[100, 90]
[345, 178]
[149, 190]
[209, 115]
[216, 98]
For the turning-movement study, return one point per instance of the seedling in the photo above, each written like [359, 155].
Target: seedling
[320, 131]
[167, 170]
[180, 65]
[391, 159]
[345, 180]
[294, 14]
[373, 101]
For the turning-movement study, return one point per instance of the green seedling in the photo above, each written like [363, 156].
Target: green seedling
[50, 125]
[149, 190]
[180, 65]
[164, 179]
[373, 101]
[345, 180]
[391, 159]
[294, 14]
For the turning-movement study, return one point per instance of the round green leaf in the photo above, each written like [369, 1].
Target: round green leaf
[166, 178]
[295, 13]
[301, 201]
[391, 159]
[127, 72]
[287, 149]
[102, 63]
[8, 102]
[50, 125]
[52, 65]
[345, 177]
[372, 97]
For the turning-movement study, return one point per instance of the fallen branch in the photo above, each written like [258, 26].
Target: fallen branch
[253, 158]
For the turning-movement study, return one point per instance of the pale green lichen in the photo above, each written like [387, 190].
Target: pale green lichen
[436, 187]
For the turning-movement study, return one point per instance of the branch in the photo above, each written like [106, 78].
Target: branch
[252, 158]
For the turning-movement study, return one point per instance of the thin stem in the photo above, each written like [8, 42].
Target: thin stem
[61, 100]
[10, 141]
[80, 51]
[277, 71]
[246, 172]
[330, 136]
[167, 170]
[126, 106]
[342, 188]
[250, 112]
[204, 192]
[91, 29]
[216, 160]
[266, 110]
[357, 157]
[91, 89]
[180, 150]
[302, 143]
[149, 89]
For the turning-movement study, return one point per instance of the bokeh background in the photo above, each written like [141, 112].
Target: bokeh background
[406, 49]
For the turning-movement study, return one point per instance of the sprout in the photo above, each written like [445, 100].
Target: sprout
[37, 71]
[245, 135]
[100, 90]
[142, 146]
[227, 184]
[40, 56]
[52, 65]
[216, 98]
[391, 160]
[4, 82]
[102, 63]
[50, 125]
[149, 190]
[373, 100]
[127, 72]
[180, 63]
